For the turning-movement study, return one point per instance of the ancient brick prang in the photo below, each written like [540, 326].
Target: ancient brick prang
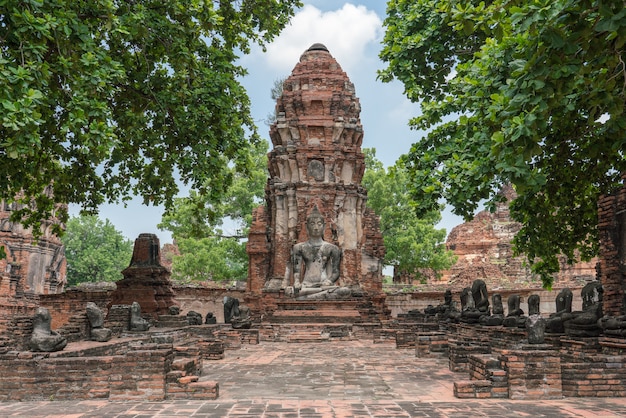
[35, 267]
[316, 161]
[485, 251]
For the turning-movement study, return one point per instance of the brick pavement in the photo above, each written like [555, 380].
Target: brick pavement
[338, 379]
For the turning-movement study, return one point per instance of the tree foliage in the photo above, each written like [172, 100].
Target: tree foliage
[412, 244]
[108, 99]
[275, 92]
[201, 227]
[530, 93]
[95, 250]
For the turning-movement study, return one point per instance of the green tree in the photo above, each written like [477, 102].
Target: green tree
[275, 92]
[412, 244]
[109, 99]
[199, 225]
[527, 93]
[95, 250]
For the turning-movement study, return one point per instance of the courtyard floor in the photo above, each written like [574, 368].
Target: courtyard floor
[328, 379]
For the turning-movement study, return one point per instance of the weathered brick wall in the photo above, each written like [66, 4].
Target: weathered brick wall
[593, 367]
[258, 249]
[612, 234]
[534, 372]
[140, 368]
[464, 341]
[139, 374]
[204, 300]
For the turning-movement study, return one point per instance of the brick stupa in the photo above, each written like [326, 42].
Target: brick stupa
[145, 280]
[316, 161]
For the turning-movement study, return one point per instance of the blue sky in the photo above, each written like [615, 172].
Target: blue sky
[352, 31]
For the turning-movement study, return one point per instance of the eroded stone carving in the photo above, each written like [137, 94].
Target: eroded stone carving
[97, 331]
[498, 312]
[231, 308]
[243, 320]
[477, 302]
[585, 323]
[194, 318]
[515, 315]
[535, 324]
[563, 312]
[613, 325]
[236, 315]
[43, 338]
[137, 323]
[210, 319]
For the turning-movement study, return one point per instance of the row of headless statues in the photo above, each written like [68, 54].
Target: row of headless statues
[589, 322]
[475, 309]
[44, 339]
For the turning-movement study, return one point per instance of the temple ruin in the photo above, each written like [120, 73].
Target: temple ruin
[32, 266]
[315, 276]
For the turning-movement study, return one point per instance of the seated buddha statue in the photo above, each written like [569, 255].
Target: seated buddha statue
[316, 264]
[585, 323]
[43, 338]
[554, 323]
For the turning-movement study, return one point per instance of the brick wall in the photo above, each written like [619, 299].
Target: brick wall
[138, 374]
[593, 367]
[132, 369]
[612, 234]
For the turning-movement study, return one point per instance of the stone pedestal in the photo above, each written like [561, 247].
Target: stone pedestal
[534, 372]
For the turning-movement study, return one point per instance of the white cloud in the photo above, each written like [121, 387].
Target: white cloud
[346, 32]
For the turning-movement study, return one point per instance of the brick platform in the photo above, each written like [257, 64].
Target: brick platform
[291, 380]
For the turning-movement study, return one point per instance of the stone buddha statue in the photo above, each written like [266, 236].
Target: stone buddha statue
[43, 338]
[316, 264]
[585, 323]
[515, 316]
[535, 323]
[563, 312]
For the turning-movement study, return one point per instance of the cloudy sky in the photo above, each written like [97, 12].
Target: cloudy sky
[352, 31]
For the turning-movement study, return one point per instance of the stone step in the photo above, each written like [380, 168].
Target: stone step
[325, 314]
[318, 313]
[307, 337]
[187, 365]
[468, 389]
[172, 321]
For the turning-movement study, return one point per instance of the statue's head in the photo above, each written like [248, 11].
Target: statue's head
[315, 224]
